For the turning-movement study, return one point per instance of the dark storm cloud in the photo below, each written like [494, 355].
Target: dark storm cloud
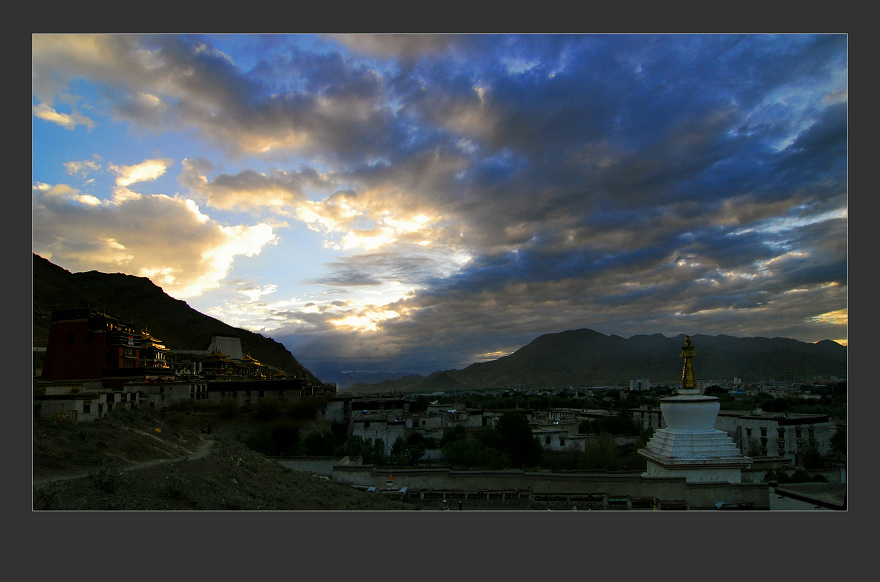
[413, 268]
[615, 182]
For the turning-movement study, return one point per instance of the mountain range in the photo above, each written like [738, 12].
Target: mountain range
[139, 302]
[581, 357]
[584, 357]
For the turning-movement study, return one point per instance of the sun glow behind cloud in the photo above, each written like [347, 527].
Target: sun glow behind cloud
[366, 320]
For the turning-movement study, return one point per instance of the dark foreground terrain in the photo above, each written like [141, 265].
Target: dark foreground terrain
[142, 461]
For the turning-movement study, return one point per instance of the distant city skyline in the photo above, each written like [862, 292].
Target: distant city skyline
[422, 202]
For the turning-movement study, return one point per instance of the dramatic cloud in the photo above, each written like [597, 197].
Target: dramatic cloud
[166, 239]
[415, 202]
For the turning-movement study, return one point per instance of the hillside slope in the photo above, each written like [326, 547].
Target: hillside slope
[142, 461]
[585, 357]
[139, 301]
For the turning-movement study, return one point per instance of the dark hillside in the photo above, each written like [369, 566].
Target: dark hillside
[139, 301]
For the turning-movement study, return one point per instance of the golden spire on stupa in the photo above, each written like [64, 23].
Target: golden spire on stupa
[688, 384]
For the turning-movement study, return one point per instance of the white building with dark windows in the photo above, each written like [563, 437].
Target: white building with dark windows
[777, 434]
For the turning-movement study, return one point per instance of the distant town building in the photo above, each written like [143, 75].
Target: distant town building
[376, 427]
[778, 434]
[639, 385]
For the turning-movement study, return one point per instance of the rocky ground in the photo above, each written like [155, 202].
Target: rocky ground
[144, 461]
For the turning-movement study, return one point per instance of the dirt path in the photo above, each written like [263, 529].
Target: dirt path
[201, 450]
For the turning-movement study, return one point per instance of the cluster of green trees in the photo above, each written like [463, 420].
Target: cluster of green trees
[509, 444]
[796, 476]
[832, 400]
[283, 440]
[621, 422]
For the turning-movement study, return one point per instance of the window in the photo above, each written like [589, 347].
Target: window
[797, 432]
[561, 442]
[763, 432]
[748, 432]
[87, 407]
[547, 440]
[780, 432]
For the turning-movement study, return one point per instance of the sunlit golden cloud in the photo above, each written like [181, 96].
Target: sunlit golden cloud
[129, 232]
[82, 168]
[66, 120]
[838, 317]
[146, 171]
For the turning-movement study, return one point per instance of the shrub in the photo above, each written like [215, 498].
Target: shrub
[304, 409]
[107, 477]
[472, 454]
[175, 486]
[320, 444]
[268, 408]
[46, 499]
[61, 417]
[279, 441]
[227, 408]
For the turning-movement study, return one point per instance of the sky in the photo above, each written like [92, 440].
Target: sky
[406, 203]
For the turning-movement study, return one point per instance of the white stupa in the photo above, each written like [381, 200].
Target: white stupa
[690, 446]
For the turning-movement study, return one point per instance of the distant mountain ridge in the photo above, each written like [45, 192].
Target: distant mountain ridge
[139, 301]
[585, 357]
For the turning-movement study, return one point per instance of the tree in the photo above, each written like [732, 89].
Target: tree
[715, 390]
[379, 456]
[452, 435]
[517, 441]
[278, 441]
[775, 405]
[405, 453]
[838, 441]
[754, 448]
[320, 444]
[268, 408]
[470, 454]
[356, 446]
[587, 426]
[600, 454]
[810, 457]
[621, 423]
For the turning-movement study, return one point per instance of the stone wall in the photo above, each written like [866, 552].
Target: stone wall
[631, 486]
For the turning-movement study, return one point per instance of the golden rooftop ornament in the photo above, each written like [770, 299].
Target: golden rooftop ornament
[688, 384]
